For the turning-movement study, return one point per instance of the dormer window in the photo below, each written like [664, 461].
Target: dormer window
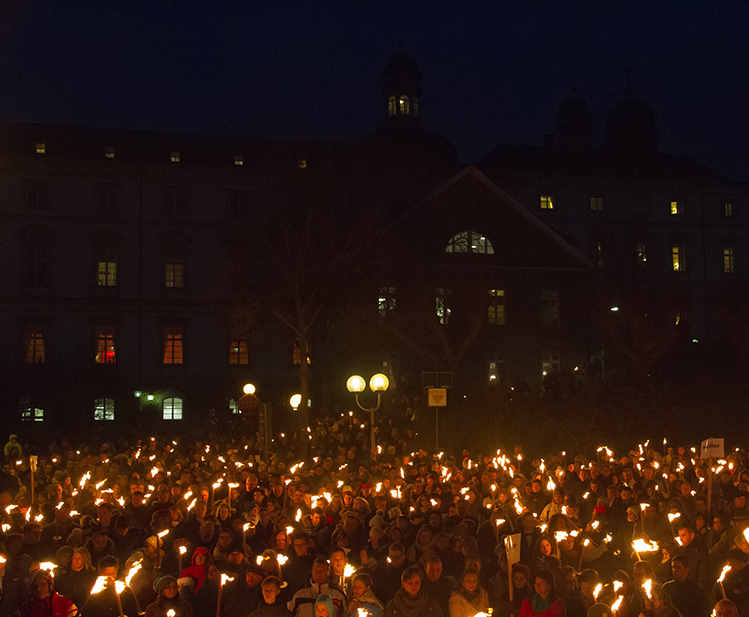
[470, 242]
[675, 208]
[175, 157]
[238, 160]
[546, 202]
[40, 148]
[302, 163]
[109, 153]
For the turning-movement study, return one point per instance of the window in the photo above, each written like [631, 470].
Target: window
[36, 195]
[392, 110]
[596, 203]
[729, 260]
[106, 349]
[173, 346]
[549, 363]
[442, 305]
[103, 409]
[171, 408]
[678, 258]
[174, 275]
[386, 300]
[728, 209]
[176, 201]
[175, 157]
[597, 254]
[496, 308]
[302, 163]
[35, 347]
[238, 160]
[106, 273]
[109, 153]
[30, 413]
[105, 194]
[641, 254]
[237, 202]
[36, 258]
[496, 372]
[40, 148]
[549, 307]
[675, 208]
[546, 202]
[404, 105]
[233, 407]
[238, 354]
[470, 242]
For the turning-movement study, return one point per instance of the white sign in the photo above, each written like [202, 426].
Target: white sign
[512, 547]
[712, 448]
[437, 397]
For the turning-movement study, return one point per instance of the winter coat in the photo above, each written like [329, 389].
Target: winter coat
[368, 602]
[197, 573]
[464, 605]
[555, 609]
[54, 606]
[404, 605]
[159, 608]
[76, 585]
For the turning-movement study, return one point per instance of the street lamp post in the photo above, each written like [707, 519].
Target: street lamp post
[378, 383]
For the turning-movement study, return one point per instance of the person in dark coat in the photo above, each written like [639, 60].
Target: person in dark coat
[244, 594]
[411, 600]
[167, 599]
[77, 582]
[271, 605]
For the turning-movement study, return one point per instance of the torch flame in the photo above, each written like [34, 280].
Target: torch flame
[137, 565]
[348, 570]
[648, 587]
[298, 515]
[48, 566]
[597, 590]
[726, 569]
[99, 585]
[616, 605]
[225, 578]
[642, 546]
[119, 587]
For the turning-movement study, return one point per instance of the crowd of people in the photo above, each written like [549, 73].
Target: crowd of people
[324, 527]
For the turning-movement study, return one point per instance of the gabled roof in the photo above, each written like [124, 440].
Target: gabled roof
[479, 176]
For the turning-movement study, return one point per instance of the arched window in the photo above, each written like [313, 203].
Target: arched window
[470, 242]
[104, 409]
[404, 105]
[172, 408]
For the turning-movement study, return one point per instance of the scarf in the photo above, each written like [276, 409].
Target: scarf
[538, 604]
[409, 606]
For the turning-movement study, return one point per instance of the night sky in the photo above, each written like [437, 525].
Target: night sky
[491, 75]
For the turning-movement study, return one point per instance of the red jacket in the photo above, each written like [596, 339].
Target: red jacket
[60, 605]
[555, 610]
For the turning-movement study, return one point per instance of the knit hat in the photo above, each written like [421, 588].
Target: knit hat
[163, 582]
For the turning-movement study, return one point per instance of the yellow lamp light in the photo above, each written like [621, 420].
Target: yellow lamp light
[249, 388]
[295, 401]
[356, 384]
[379, 382]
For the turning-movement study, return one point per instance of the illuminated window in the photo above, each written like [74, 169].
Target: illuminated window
[302, 163]
[238, 160]
[174, 275]
[103, 409]
[109, 153]
[404, 105]
[678, 259]
[597, 254]
[729, 260]
[233, 407]
[173, 346]
[392, 108]
[496, 307]
[496, 371]
[238, 353]
[596, 203]
[35, 347]
[728, 209]
[171, 408]
[675, 208]
[549, 363]
[546, 202]
[549, 307]
[40, 148]
[641, 254]
[29, 412]
[106, 348]
[106, 273]
[175, 157]
[470, 242]
[386, 300]
[442, 305]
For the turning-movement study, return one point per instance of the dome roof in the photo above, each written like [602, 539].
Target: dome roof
[630, 127]
[402, 75]
[574, 118]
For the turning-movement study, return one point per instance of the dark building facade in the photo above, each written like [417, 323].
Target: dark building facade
[129, 295]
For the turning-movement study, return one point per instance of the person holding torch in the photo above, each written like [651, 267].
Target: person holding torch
[167, 599]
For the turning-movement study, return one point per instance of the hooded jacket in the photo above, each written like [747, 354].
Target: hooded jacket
[197, 572]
